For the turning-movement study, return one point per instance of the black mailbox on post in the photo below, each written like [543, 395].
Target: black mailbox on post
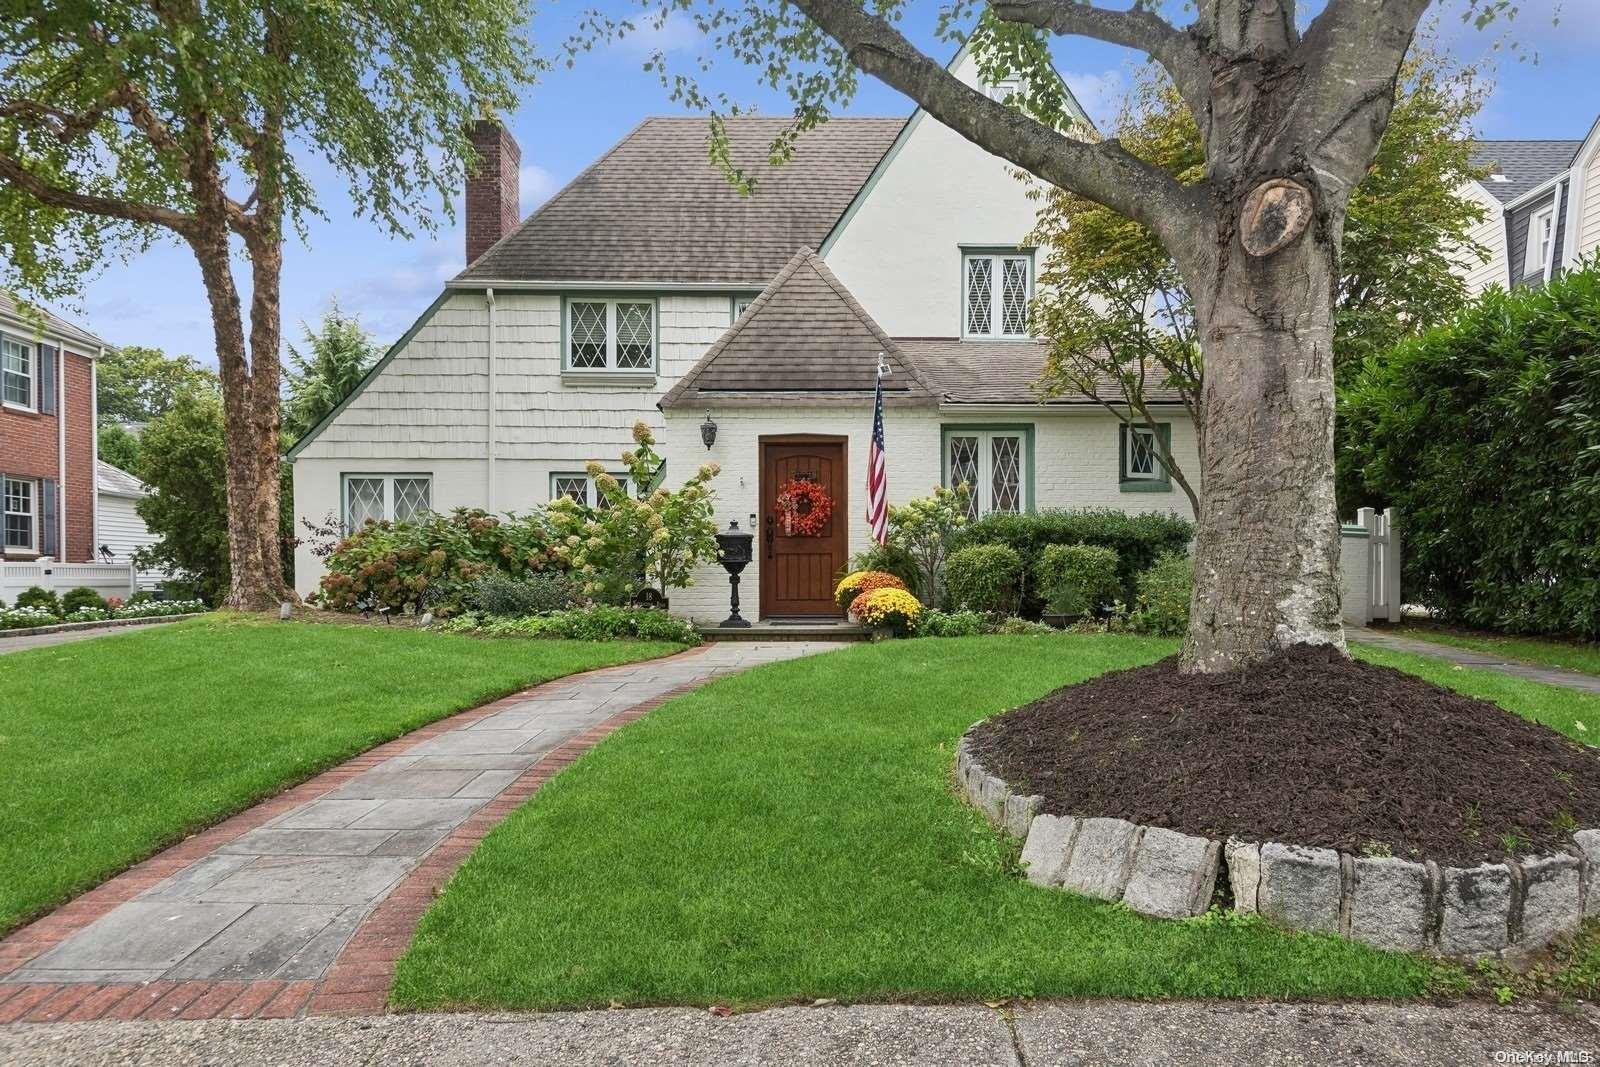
[734, 552]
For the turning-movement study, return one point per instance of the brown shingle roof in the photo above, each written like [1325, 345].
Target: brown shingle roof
[653, 208]
[88, 343]
[805, 339]
[998, 372]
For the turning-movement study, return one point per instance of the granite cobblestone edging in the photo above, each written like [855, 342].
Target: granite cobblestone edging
[1493, 909]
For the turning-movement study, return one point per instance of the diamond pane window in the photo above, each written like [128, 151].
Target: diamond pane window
[1005, 474]
[964, 469]
[588, 335]
[1014, 297]
[16, 372]
[411, 498]
[1142, 461]
[363, 502]
[635, 336]
[980, 283]
[19, 514]
[572, 486]
[993, 463]
[997, 291]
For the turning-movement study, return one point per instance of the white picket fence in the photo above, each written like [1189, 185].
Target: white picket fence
[107, 579]
[1369, 551]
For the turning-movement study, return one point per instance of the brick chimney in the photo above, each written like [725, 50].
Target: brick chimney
[494, 195]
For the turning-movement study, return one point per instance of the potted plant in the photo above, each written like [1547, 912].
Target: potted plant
[1065, 606]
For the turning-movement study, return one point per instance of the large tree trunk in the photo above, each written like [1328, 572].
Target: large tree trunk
[1267, 544]
[262, 425]
[256, 579]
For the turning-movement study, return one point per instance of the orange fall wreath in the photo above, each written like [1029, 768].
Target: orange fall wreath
[803, 508]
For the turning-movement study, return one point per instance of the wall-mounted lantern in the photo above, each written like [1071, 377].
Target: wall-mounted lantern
[708, 431]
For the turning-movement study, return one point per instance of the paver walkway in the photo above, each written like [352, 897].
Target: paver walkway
[1468, 657]
[66, 637]
[255, 916]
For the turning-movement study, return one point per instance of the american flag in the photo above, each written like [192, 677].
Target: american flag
[877, 473]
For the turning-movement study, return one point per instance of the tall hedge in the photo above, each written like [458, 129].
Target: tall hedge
[1137, 538]
[1485, 433]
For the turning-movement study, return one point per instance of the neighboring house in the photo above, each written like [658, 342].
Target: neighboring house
[122, 531]
[1542, 209]
[47, 437]
[649, 289]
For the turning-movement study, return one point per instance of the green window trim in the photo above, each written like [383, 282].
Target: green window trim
[966, 252]
[1025, 429]
[388, 478]
[1162, 483]
[610, 370]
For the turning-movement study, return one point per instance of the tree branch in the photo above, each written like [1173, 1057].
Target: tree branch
[1176, 51]
[1104, 172]
[14, 173]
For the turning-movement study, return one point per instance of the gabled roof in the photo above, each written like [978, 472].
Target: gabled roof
[654, 208]
[805, 339]
[1525, 164]
[54, 325]
[114, 481]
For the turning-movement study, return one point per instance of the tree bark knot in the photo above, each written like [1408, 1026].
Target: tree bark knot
[1275, 214]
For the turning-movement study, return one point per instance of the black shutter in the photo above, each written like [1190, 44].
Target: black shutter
[47, 379]
[49, 528]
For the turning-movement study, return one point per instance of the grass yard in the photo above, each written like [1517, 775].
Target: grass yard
[792, 833]
[114, 747]
[1580, 656]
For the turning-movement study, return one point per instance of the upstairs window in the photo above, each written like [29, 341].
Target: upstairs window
[611, 335]
[997, 287]
[1541, 243]
[377, 497]
[16, 372]
[992, 463]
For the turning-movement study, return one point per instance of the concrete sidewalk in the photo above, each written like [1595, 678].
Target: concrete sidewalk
[1584, 683]
[1106, 1032]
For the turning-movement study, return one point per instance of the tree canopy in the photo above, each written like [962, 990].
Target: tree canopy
[136, 383]
[339, 354]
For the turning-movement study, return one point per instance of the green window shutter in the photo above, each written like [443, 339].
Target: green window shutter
[47, 379]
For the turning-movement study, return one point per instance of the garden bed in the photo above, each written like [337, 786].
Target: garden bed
[1309, 748]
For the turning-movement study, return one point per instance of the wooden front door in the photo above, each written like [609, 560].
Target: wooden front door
[798, 572]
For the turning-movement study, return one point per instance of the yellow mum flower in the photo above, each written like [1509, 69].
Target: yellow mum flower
[887, 607]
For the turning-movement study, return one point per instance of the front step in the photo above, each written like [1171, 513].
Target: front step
[780, 631]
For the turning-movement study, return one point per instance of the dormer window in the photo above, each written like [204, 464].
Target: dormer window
[1541, 244]
[996, 287]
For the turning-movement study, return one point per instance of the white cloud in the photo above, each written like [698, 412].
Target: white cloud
[660, 31]
[1100, 94]
[536, 185]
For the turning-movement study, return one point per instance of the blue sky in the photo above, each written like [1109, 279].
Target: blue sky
[572, 116]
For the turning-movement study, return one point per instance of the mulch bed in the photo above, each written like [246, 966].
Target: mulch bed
[1306, 748]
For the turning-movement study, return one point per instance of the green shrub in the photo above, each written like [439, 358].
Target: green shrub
[600, 623]
[23, 617]
[984, 578]
[1484, 435]
[82, 597]
[36, 596]
[890, 559]
[390, 564]
[950, 624]
[1019, 627]
[1138, 539]
[87, 613]
[1080, 577]
[497, 593]
[1161, 605]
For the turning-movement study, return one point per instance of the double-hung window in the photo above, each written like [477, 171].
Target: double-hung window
[581, 488]
[18, 372]
[1541, 244]
[611, 335]
[379, 497]
[1142, 469]
[992, 463]
[21, 511]
[995, 291]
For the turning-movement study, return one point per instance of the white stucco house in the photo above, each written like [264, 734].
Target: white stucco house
[1541, 202]
[649, 289]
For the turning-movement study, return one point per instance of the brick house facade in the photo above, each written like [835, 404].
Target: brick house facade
[47, 438]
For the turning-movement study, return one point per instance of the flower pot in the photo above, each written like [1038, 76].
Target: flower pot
[1060, 622]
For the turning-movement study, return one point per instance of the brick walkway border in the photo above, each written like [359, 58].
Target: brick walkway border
[358, 982]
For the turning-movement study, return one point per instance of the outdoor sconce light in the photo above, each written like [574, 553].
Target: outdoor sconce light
[708, 434]
[734, 553]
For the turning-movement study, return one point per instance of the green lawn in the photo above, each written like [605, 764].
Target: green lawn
[114, 747]
[792, 833]
[1547, 651]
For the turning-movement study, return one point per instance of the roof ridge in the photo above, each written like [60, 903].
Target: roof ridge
[866, 319]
